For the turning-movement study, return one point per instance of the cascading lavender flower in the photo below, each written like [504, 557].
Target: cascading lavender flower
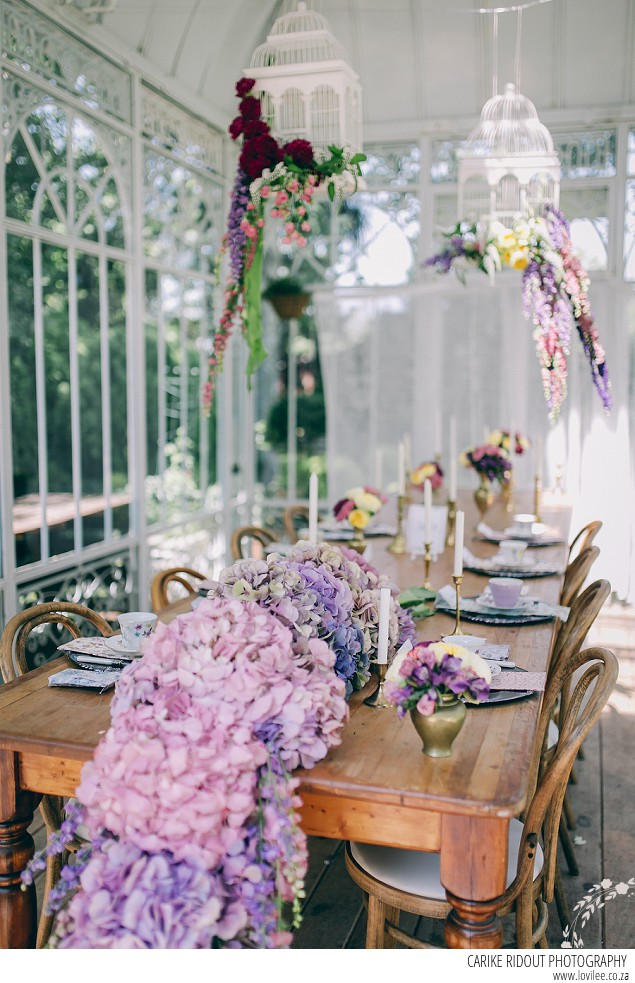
[190, 786]
[555, 289]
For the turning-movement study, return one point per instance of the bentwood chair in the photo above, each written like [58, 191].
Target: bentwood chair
[295, 518]
[570, 639]
[584, 538]
[162, 589]
[250, 541]
[395, 881]
[13, 660]
[576, 574]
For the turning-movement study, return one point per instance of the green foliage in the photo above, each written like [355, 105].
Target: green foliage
[284, 286]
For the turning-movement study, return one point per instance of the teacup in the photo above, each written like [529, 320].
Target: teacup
[505, 591]
[136, 625]
[524, 523]
[512, 550]
[471, 642]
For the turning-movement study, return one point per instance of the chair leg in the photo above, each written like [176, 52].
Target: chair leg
[567, 848]
[573, 778]
[524, 918]
[562, 904]
[378, 912]
[51, 877]
[568, 812]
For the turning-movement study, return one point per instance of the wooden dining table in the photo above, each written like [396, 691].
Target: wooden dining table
[377, 786]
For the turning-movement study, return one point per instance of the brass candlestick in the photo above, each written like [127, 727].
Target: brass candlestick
[451, 524]
[398, 544]
[427, 559]
[457, 624]
[378, 699]
[509, 493]
[537, 497]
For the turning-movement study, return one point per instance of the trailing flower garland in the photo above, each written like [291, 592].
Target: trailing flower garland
[324, 593]
[286, 177]
[555, 291]
[190, 807]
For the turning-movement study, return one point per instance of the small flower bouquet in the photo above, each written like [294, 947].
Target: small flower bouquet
[429, 469]
[434, 673]
[500, 438]
[488, 460]
[358, 506]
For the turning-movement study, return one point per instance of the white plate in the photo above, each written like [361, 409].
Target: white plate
[116, 643]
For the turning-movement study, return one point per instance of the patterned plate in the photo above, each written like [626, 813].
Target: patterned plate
[528, 574]
[484, 618]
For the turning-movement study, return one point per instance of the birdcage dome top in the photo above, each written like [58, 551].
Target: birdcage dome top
[508, 125]
[297, 38]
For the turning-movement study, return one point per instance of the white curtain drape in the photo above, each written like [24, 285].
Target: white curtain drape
[399, 360]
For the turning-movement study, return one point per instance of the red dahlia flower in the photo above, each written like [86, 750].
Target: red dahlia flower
[300, 152]
[257, 154]
[249, 108]
[235, 127]
[244, 86]
[255, 128]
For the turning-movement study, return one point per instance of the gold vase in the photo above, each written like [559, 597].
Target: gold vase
[439, 730]
[483, 496]
[358, 542]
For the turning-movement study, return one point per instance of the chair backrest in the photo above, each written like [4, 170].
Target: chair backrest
[250, 534]
[295, 516]
[162, 590]
[584, 539]
[13, 643]
[590, 693]
[574, 630]
[576, 574]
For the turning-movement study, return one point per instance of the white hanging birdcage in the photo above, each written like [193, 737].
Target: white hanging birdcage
[508, 165]
[307, 88]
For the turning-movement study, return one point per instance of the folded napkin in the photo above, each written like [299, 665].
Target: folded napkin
[493, 653]
[446, 599]
[96, 647]
[519, 680]
[100, 680]
[415, 600]
[546, 537]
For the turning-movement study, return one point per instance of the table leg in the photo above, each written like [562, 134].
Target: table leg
[473, 872]
[18, 908]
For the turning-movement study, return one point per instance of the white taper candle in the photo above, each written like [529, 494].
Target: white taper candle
[407, 454]
[401, 470]
[427, 511]
[453, 460]
[384, 620]
[378, 469]
[313, 508]
[538, 454]
[458, 543]
[438, 440]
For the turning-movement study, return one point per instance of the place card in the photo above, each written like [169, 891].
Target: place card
[519, 680]
[415, 529]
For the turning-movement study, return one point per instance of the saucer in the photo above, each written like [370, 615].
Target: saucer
[486, 601]
[494, 667]
[116, 643]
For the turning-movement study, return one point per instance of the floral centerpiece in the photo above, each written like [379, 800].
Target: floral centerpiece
[283, 178]
[430, 470]
[365, 582]
[500, 438]
[489, 461]
[357, 507]
[427, 682]
[189, 803]
[555, 290]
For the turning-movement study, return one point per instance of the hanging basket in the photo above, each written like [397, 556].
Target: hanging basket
[289, 305]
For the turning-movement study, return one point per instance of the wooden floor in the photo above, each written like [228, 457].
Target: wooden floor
[603, 799]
